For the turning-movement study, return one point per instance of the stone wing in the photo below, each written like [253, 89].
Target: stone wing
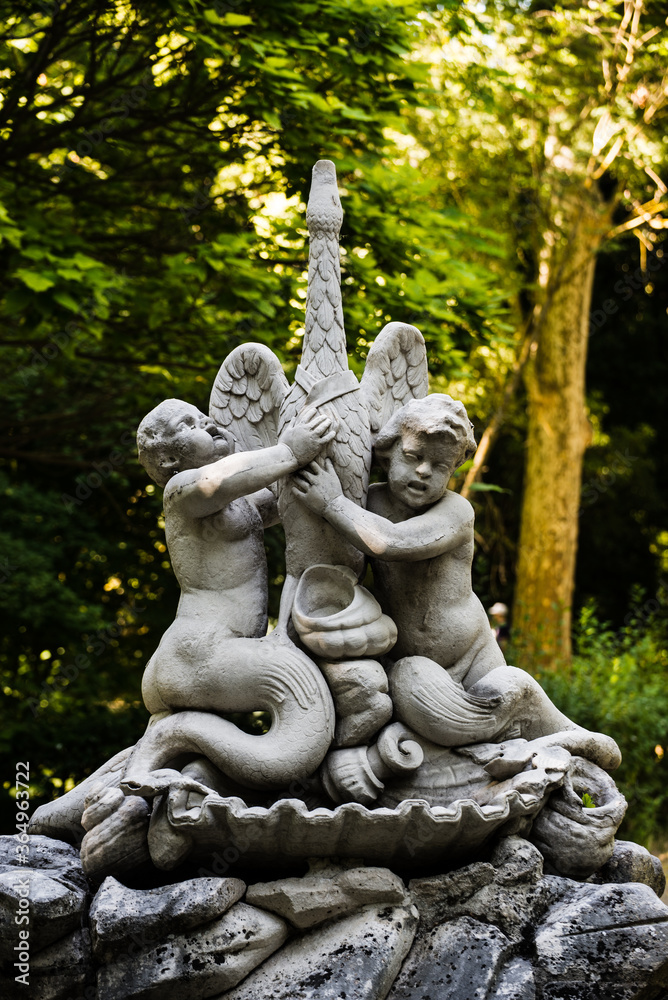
[396, 371]
[247, 395]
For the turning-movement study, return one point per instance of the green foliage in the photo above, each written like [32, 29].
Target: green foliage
[618, 684]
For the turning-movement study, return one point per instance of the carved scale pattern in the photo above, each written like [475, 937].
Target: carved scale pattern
[324, 354]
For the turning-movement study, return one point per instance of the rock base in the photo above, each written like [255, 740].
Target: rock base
[495, 930]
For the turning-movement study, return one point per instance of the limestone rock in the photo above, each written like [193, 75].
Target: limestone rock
[122, 917]
[311, 900]
[57, 906]
[62, 971]
[632, 863]
[43, 852]
[196, 965]
[515, 982]
[517, 861]
[357, 957]
[510, 893]
[435, 895]
[606, 941]
[458, 959]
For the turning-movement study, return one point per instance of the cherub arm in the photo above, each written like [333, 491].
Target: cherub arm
[203, 491]
[421, 537]
[266, 504]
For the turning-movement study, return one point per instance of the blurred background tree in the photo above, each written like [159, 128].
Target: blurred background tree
[156, 165]
[549, 126]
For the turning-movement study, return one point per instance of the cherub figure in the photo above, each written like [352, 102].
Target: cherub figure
[216, 657]
[450, 683]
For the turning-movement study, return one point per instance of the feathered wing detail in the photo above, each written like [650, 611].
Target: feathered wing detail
[396, 371]
[247, 395]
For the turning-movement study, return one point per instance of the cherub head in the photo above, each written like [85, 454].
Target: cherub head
[176, 436]
[422, 445]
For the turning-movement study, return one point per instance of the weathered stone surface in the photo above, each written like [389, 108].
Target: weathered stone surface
[121, 918]
[515, 982]
[632, 863]
[509, 892]
[311, 900]
[517, 861]
[576, 840]
[197, 965]
[56, 906]
[435, 895]
[357, 957]
[60, 972]
[604, 938]
[458, 960]
[43, 852]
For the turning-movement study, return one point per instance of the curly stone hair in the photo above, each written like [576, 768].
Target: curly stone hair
[151, 444]
[435, 414]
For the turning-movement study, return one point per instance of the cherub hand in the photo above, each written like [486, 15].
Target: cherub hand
[307, 438]
[317, 485]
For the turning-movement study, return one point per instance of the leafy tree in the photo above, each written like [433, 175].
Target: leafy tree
[547, 125]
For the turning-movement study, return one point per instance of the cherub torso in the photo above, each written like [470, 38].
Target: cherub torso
[431, 600]
[221, 567]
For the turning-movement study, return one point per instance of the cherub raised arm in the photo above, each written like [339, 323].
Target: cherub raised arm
[450, 683]
[215, 657]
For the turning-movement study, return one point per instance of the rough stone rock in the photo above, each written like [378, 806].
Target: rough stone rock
[517, 860]
[435, 895]
[632, 863]
[515, 982]
[607, 941]
[311, 900]
[62, 971]
[43, 852]
[197, 965]
[56, 906]
[357, 957]
[508, 892]
[456, 960]
[122, 917]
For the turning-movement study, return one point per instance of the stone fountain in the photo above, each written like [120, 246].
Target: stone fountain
[418, 820]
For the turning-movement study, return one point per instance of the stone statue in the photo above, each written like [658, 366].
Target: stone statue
[342, 663]
[216, 656]
[398, 734]
[449, 681]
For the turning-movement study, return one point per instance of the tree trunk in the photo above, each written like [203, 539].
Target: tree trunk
[558, 434]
